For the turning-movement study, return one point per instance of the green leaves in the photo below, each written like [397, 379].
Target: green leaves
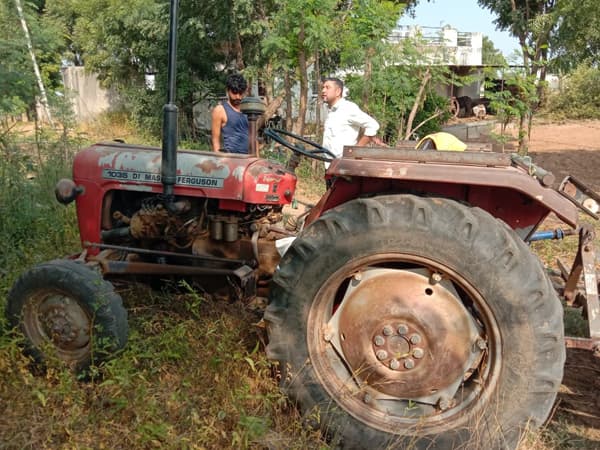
[579, 97]
[576, 38]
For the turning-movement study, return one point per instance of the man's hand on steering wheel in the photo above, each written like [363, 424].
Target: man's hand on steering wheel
[317, 152]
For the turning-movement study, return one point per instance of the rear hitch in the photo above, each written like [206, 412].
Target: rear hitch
[584, 263]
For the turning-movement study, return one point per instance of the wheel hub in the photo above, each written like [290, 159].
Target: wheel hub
[64, 322]
[398, 346]
[405, 334]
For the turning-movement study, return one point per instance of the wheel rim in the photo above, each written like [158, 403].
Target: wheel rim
[53, 318]
[402, 342]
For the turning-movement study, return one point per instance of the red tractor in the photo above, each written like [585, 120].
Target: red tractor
[408, 311]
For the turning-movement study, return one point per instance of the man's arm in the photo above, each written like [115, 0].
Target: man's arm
[369, 125]
[219, 117]
[364, 140]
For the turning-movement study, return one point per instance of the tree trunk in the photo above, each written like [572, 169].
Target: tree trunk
[367, 76]
[239, 53]
[270, 111]
[289, 108]
[36, 69]
[418, 100]
[318, 133]
[401, 128]
[302, 68]
[523, 141]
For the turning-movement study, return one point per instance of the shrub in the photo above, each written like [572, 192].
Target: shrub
[579, 97]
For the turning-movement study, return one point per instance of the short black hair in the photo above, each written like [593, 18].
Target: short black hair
[339, 83]
[236, 83]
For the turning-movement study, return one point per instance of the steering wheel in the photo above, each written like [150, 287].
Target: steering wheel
[318, 152]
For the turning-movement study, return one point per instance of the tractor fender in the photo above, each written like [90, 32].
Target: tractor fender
[486, 180]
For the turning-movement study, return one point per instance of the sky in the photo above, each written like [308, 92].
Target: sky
[464, 15]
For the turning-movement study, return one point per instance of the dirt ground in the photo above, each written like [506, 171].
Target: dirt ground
[569, 149]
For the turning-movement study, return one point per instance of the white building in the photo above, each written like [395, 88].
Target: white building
[444, 45]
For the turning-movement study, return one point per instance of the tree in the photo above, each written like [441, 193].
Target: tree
[491, 56]
[579, 96]
[297, 31]
[367, 26]
[339, 35]
[42, 42]
[576, 38]
[17, 83]
[403, 98]
[122, 42]
[531, 22]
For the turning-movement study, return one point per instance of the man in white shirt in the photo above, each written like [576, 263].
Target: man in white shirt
[345, 120]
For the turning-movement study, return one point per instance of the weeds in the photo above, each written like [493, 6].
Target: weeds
[180, 383]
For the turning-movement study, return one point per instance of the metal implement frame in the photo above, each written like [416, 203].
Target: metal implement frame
[584, 263]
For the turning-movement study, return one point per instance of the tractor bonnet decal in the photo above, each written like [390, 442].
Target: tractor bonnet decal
[144, 167]
[148, 177]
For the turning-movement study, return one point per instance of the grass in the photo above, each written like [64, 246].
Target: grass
[193, 375]
[182, 382]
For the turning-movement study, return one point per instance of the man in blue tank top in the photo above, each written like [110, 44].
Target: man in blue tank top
[229, 130]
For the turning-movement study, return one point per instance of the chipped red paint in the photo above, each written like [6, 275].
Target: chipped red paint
[234, 180]
[488, 181]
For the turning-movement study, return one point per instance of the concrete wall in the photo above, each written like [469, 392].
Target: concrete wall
[88, 97]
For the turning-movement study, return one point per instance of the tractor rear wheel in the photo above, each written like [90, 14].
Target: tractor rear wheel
[67, 311]
[408, 322]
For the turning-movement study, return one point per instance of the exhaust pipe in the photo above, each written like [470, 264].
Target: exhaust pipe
[253, 107]
[170, 132]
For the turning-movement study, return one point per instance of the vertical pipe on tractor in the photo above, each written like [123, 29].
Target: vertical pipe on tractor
[170, 134]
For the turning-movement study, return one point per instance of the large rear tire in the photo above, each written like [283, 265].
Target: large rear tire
[67, 311]
[408, 322]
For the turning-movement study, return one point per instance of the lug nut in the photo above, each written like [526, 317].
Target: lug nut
[481, 344]
[415, 339]
[358, 276]
[444, 403]
[418, 353]
[379, 340]
[394, 364]
[367, 398]
[381, 355]
[402, 329]
[435, 278]
[388, 330]
[409, 363]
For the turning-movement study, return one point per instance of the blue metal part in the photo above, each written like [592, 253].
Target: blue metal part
[544, 235]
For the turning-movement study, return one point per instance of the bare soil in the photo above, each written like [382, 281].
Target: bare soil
[571, 148]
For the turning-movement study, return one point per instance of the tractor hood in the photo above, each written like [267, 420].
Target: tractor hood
[223, 176]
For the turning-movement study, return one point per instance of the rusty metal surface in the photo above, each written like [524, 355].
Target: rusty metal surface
[506, 177]
[428, 156]
[544, 177]
[585, 263]
[581, 195]
[263, 251]
[584, 344]
[144, 268]
[406, 336]
[588, 258]
[53, 315]
[143, 251]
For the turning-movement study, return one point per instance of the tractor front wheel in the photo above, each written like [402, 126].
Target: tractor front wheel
[408, 322]
[66, 310]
